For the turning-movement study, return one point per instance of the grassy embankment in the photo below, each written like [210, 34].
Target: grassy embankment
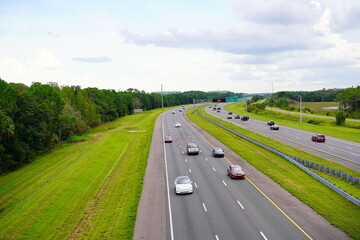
[324, 126]
[87, 190]
[335, 208]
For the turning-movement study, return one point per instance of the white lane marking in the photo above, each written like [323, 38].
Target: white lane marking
[182, 152]
[214, 169]
[356, 155]
[185, 160]
[204, 207]
[240, 204]
[179, 146]
[200, 151]
[206, 159]
[189, 170]
[195, 184]
[167, 185]
[263, 235]
[216, 237]
[224, 183]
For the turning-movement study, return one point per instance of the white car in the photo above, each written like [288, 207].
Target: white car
[177, 124]
[173, 112]
[183, 185]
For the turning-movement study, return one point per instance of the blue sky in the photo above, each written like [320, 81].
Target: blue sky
[237, 45]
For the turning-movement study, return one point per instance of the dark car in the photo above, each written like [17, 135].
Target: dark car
[230, 113]
[218, 110]
[274, 127]
[214, 108]
[192, 148]
[237, 117]
[318, 138]
[168, 139]
[244, 118]
[218, 152]
[235, 171]
[270, 123]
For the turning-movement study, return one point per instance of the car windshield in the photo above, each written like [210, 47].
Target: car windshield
[321, 136]
[168, 137]
[236, 169]
[183, 181]
[217, 150]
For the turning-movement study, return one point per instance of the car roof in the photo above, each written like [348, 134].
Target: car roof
[217, 149]
[235, 166]
[191, 144]
[183, 177]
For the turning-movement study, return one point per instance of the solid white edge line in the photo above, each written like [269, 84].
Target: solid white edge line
[167, 185]
[263, 235]
[204, 207]
[224, 183]
[240, 204]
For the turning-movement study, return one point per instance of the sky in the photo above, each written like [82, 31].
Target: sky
[256, 46]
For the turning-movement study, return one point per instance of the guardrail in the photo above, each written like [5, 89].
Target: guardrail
[295, 161]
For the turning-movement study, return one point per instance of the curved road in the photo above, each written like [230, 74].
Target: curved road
[341, 151]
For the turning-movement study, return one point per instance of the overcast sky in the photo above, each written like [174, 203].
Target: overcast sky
[239, 45]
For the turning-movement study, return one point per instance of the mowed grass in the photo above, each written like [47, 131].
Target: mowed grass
[87, 190]
[325, 126]
[335, 208]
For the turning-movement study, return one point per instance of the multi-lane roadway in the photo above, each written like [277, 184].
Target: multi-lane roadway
[341, 151]
[220, 207]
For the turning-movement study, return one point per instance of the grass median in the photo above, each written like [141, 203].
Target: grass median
[86, 190]
[335, 208]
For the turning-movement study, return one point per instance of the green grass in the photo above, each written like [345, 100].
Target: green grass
[325, 126]
[335, 208]
[86, 190]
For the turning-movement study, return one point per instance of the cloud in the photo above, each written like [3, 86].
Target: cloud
[235, 41]
[92, 59]
[281, 12]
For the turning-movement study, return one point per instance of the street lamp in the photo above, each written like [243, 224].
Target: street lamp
[300, 99]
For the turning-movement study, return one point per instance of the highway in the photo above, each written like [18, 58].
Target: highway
[341, 151]
[219, 208]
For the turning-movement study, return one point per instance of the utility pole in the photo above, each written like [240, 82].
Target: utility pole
[300, 99]
[162, 98]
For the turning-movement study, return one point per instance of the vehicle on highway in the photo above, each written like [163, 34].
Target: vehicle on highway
[214, 109]
[244, 118]
[173, 112]
[177, 125]
[318, 138]
[229, 117]
[168, 139]
[237, 117]
[218, 110]
[218, 152]
[192, 148]
[235, 171]
[180, 110]
[230, 113]
[274, 127]
[183, 185]
[270, 123]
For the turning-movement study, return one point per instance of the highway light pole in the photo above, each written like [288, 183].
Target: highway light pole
[300, 99]
[162, 98]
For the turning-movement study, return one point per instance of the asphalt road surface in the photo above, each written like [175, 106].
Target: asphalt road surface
[222, 208]
[341, 151]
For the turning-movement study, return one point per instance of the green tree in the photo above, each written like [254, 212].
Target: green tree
[340, 117]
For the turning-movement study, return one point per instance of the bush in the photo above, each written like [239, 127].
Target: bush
[340, 117]
[75, 139]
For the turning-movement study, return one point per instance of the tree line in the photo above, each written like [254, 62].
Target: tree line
[34, 119]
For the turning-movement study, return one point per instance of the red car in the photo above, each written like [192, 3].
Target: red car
[318, 138]
[168, 139]
[235, 171]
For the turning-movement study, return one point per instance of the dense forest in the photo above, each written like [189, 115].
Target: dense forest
[35, 119]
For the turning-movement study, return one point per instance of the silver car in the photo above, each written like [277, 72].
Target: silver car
[177, 125]
[183, 185]
[192, 148]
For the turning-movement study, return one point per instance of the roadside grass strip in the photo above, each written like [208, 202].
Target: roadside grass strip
[86, 190]
[325, 126]
[336, 209]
